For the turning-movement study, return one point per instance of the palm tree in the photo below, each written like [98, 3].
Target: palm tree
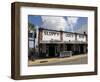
[31, 27]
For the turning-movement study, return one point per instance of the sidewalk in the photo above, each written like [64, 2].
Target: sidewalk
[55, 60]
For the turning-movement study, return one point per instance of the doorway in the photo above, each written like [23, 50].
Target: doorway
[81, 49]
[51, 51]
[69, 47]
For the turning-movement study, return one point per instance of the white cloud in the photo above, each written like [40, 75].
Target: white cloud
[71, 22]
[59, 23]
[52, 22]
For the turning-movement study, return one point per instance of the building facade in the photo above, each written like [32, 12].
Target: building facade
[52, 42]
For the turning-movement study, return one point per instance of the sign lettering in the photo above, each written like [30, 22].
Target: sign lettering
[51, 33]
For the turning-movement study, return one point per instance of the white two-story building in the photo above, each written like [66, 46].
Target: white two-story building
[52, 42]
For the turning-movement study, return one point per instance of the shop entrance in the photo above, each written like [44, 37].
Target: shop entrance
[81, 49]
[69, 47]
[51, 51]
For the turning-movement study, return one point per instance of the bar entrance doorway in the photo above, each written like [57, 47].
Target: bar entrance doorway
[51, 51]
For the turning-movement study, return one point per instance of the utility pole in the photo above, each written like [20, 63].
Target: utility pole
[34, 40]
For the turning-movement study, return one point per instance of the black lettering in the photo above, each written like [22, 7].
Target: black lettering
[51, 33]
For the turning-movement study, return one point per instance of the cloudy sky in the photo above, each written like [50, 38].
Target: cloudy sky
[65, 23]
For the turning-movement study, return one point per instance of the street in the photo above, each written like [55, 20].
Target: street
[78, 59]
[71, 62]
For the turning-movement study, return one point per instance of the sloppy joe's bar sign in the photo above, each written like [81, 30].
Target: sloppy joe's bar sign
[51, 35]
[48, 35]
[68, 37]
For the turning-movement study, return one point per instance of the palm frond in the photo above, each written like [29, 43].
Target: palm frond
[31, 27]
